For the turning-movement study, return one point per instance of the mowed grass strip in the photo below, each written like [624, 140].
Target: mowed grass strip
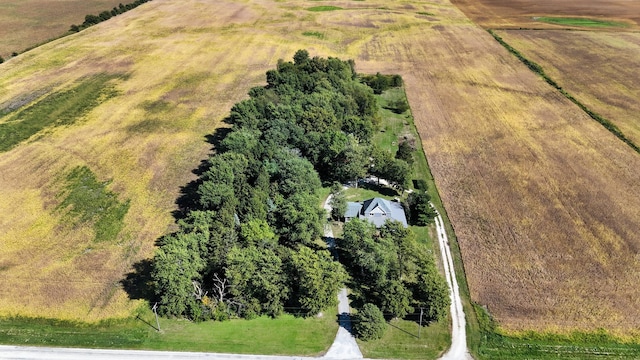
[324, 8]
[583, 22]
[286, 335]
[87, 200]
[57, 109]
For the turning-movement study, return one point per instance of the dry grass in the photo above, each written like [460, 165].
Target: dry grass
[26, 23]
[543, 199]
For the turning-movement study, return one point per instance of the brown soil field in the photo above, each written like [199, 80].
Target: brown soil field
[542, 198]
[501, 14]
[26, 23]
[597, 68]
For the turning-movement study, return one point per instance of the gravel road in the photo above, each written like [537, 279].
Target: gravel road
[458, 350]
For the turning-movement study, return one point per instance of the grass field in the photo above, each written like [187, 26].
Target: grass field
[543, 199]
[26, 23]
[401, 341]
[286, 335]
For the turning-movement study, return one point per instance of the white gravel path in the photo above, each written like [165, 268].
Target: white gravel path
[458, 350]
[345, 345]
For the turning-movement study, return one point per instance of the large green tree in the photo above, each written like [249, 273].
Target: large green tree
[338, 202]
[317, 278]
[298, 220]
[257, 280]
[177, 264]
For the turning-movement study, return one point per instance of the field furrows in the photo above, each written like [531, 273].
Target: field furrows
[542, 198]
[528, 183]
[598, 68]
[520, 14]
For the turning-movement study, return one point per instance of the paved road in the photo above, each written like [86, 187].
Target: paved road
[44, 353]
[458, 350]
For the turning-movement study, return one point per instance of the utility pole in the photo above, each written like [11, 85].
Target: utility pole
[155, 311]
[420, 326]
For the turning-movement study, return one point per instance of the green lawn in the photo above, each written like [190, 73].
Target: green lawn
[362, 193]
[87, 200]
[393, 125]
[286, 335]
[577, 347]
[315, 34]
[585, 22]
[401, 341]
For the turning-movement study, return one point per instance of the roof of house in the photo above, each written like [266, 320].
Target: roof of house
[393, 211]
[353, 209]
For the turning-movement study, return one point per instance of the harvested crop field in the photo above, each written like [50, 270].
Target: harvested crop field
[597, 68]
[26, 23]
[517, 14]
[543, 199]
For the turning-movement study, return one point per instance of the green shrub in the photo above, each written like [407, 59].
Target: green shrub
[420, 184]
[380, 83]
[369, 323]
[398, 106]
[315, 34]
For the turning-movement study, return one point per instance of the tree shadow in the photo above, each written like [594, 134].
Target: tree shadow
[345, 321]
[138, 283]
[382, 189]
[188, 199]
[403, 330]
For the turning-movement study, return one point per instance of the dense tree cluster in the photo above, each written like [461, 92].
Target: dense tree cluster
[390, 271]
[247, 243]
[247, 246]
[91, 20]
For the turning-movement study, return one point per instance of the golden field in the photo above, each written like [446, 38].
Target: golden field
[542, 198]
[26, 23]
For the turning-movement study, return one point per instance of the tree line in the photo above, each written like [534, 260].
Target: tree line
[90, 20]
[248, 241]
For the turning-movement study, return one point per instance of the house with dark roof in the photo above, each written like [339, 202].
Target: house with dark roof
[376, 211]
